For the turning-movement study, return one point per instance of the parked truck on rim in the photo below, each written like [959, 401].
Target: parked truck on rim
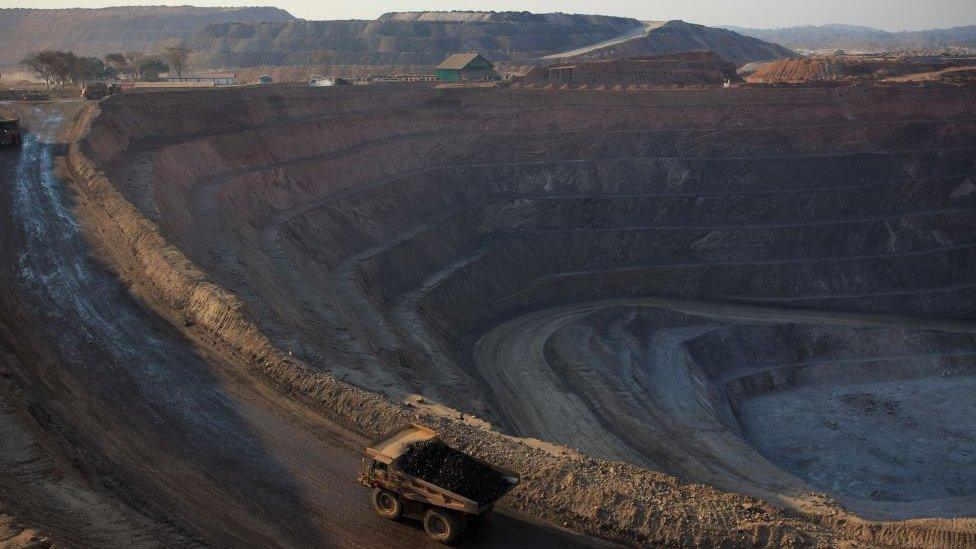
[99, 90]
[9, 132]
[396, 493]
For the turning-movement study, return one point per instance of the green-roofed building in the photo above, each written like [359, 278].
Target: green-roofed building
[465, 66]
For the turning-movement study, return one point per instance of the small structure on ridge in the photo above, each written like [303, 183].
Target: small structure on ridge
[465, 66]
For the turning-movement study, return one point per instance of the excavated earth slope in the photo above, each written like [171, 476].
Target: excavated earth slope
[678, 36]
[807, 69]
[770, 291]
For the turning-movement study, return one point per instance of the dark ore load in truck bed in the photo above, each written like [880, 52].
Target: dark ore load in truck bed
[439, 464]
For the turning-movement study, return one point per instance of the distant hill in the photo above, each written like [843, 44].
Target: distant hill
[679, 36]
[866, 39]
[265, 36]
[410, 38]
[105, 30]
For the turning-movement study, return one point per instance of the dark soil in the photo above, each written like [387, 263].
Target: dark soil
[452, 470]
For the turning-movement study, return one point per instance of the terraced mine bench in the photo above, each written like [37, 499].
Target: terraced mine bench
[769, 291]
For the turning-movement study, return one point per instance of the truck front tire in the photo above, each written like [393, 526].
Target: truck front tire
[387, 504]
[442, 525]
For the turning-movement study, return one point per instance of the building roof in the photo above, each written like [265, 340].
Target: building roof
[457, 61]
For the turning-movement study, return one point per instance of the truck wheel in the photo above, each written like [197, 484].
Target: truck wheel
[442, 525]
[386, 504]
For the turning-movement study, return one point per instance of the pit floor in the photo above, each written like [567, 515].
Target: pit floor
[904, 440]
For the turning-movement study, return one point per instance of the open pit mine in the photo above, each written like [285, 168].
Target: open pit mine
[691, 317]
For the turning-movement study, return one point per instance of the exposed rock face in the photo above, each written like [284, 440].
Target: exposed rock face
[106, 30]
[403, 39]
[679, 36]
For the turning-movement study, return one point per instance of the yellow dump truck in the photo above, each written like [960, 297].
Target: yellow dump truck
[397, 494]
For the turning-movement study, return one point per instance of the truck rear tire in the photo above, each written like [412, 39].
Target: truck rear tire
[387, 504]
[442, 525]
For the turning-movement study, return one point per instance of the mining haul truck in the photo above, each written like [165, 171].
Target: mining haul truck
[397, 493]
[99, 90]
[9, 132]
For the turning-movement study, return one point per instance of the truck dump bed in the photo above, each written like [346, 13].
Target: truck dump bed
[391, 447]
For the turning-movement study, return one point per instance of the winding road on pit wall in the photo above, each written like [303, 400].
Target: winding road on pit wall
[159, 440]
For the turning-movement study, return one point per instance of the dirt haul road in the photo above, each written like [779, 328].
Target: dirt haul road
[121, 431]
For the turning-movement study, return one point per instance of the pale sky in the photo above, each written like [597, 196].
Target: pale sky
[886, 14]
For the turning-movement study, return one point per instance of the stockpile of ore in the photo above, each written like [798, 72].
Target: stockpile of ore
[439, 464]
